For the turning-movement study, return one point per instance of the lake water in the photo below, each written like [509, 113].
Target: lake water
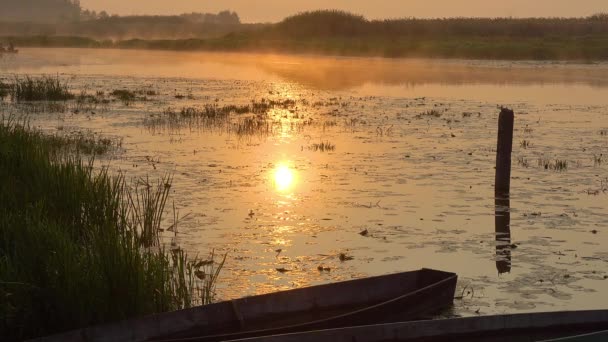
[401, 149]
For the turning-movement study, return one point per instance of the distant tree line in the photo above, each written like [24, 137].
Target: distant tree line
[40, 10]
[222, 18]
[70, 11]
[338, 23]
[302, 28]
[68, 18]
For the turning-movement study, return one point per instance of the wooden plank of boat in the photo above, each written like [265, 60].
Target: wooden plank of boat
[387, 298]
[517, 327]
[599, 336]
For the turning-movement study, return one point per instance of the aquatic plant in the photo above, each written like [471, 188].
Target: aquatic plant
[44, 88]
[557, 164]
[75, 244]
[598, 159]
[83, 142]
[242, 120]
[428, 114]
[124, 95]
[324, 146]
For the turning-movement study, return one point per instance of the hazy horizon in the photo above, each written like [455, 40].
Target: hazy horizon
[275, 10]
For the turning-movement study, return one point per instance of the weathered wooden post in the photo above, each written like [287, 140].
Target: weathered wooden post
[502, 186]
[502, 189]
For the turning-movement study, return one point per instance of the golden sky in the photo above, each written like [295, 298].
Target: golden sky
[274, 10]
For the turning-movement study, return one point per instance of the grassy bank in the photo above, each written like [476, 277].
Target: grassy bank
[340, 33]
[80, 247]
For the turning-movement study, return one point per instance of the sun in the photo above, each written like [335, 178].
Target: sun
[283, 177]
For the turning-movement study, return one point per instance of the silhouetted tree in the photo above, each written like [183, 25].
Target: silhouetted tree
[40, 10]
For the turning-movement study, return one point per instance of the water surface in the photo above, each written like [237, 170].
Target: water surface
[412, 164]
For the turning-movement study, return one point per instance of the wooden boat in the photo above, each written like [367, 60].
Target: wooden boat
[600, 336]
[583, 325]
[387, 298]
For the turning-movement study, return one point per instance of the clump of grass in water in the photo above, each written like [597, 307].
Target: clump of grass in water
[322, 146]
[598, 159]
[524, 143]
[72, 249]
[45, 88]
[81, 142]
[557, 164]
[125, 96]
[213, 116]
[429, 114]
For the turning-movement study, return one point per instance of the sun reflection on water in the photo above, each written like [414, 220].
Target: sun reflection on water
[284, 177]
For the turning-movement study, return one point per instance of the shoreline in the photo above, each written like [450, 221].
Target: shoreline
[569, 49]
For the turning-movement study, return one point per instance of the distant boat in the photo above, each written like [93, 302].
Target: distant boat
[389, 298]
[569, 326]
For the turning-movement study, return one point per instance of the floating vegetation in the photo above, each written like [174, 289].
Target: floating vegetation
[598, 159]
[87, 103]
[255, 125]
[210, 116]
[344, 257]
[557, 164]
[523, 161]
[86, 143]
[322, 147]
[429, 114]
[43, 88]
[125, 96]
[248, 120]
[602, 189]
[524, 144]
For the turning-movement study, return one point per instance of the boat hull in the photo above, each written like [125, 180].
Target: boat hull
[389, 298]
[517, 327]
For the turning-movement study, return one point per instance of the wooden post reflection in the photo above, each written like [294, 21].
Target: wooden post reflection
[503, 234]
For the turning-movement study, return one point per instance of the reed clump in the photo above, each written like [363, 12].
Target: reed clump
[124, 95]
[324, 146]
[243, 120]
[556, 164]
[428, 114]
[80, 247]
[44, 88]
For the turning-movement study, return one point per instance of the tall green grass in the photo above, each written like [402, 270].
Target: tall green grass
[80, 247]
